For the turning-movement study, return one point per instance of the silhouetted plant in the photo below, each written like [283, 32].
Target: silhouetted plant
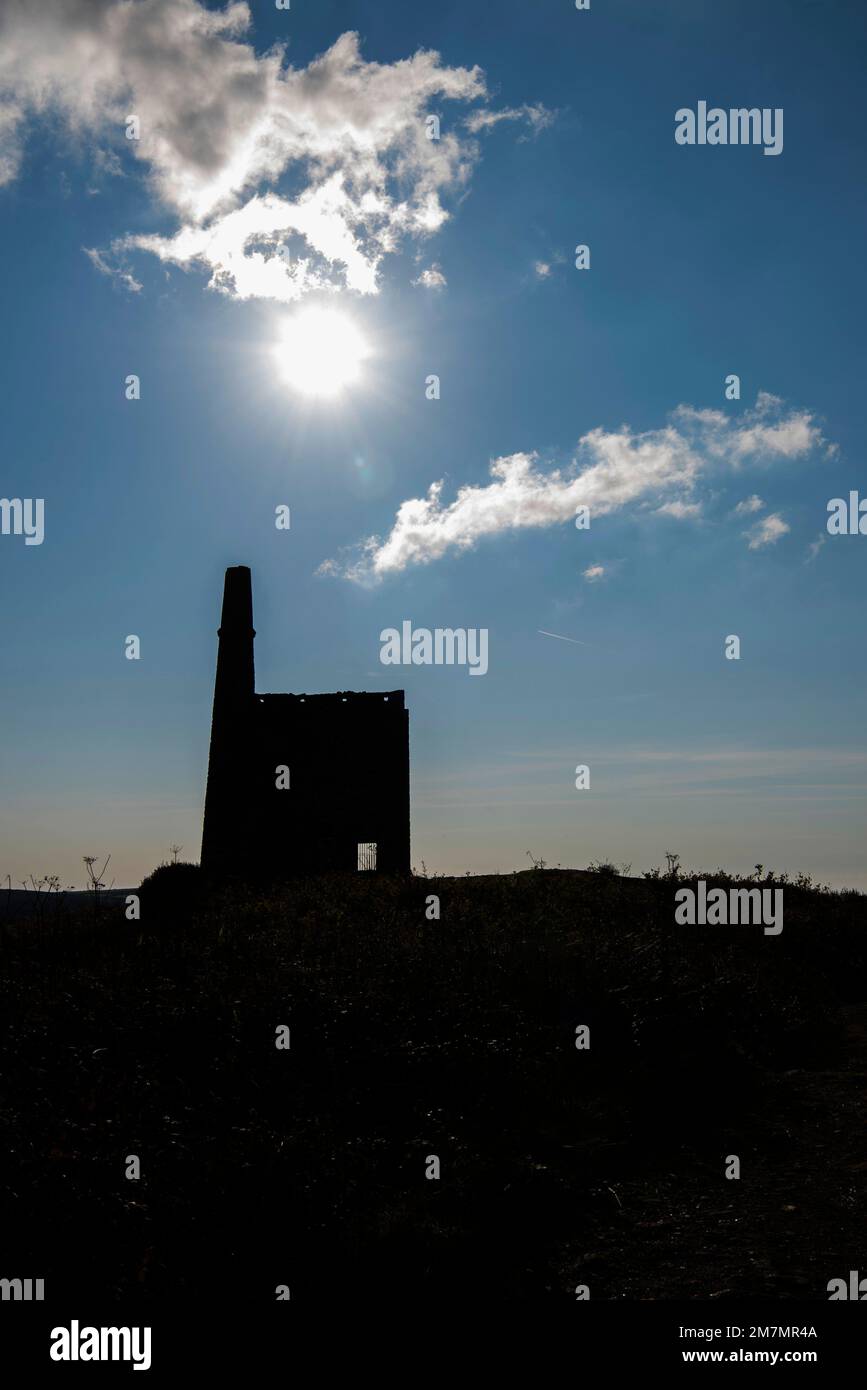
[603, 867]
[172, 890]
[95, 882]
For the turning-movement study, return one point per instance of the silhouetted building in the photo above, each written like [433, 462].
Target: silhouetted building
[300, 783]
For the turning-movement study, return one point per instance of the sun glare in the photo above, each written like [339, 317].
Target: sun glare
[320, 352]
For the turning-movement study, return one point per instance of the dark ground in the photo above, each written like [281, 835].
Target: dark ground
[454, 1037]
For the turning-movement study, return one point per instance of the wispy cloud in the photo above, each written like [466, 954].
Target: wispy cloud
[594, 573]
[222, 130]
[432, 278]
[748, 506]
[680, 510]
[114, 272]
[546, 265]
[609, 470]
[815, 546]
[767, 531]
[536, 116]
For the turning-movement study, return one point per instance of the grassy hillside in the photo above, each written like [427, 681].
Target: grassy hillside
[453, 1037]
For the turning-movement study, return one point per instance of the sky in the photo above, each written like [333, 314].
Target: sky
[285, 258]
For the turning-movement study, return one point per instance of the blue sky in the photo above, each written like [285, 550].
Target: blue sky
[704, 262]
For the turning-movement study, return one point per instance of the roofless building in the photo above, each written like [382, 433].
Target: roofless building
[300, 783]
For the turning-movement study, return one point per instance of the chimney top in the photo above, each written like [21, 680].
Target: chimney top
[237, 600]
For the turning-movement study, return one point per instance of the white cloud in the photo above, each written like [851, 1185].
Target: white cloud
[432, 278]
[593, 573]
[242, 148]
[610, 469]
[765, 436]
[680, 510]
[542, 269]
[748, 506]
[767, 531]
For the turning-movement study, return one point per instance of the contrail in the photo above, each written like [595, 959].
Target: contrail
[565, 639]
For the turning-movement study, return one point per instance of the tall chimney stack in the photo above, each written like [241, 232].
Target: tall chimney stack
[227, 799]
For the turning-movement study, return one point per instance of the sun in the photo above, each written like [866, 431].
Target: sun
[321, 351]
